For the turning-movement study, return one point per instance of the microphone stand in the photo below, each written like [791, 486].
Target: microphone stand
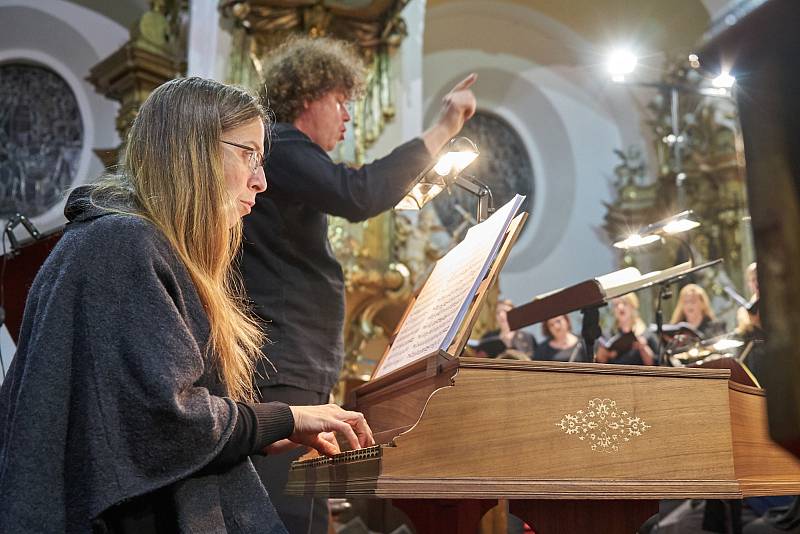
[664, 293]
[2, 362]
[14, 221]
[590, 328]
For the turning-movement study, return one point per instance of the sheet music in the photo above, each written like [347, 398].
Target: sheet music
[622, 287]
[623, 276]
[437, 314]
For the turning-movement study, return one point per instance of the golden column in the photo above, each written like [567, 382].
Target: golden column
[377, 287]
[154, 54]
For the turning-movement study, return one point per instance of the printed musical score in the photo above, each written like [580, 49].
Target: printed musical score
[444, 300]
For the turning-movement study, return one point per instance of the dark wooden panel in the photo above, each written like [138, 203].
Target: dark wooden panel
[761, 49]
[20, 270]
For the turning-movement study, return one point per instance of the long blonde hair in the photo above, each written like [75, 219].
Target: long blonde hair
[172, 175]
[692, 289]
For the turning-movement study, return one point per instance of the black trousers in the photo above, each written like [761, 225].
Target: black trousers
[301, 515]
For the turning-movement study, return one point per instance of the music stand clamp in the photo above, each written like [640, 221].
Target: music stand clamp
[480, 190]
[14, 221]
[590, 327]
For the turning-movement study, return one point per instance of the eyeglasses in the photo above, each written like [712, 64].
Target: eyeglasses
[254, 159]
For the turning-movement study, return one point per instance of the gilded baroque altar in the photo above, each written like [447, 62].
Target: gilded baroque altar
[383, 257]
[713, 186]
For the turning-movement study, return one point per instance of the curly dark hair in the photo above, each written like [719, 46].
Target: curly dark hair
[304, 69]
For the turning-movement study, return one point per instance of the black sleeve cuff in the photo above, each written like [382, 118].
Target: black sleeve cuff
[257, 426]
[274, 422]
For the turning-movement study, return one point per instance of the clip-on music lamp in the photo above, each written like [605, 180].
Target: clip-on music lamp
[455, 157]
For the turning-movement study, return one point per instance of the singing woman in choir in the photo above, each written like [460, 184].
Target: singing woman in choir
[503, 342]
[694, 307]
[560, 343]
[626, 319]
[128, 406]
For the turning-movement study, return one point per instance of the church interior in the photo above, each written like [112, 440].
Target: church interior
[624, 358]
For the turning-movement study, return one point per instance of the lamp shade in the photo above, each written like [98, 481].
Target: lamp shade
[636, 240]
[459, 153]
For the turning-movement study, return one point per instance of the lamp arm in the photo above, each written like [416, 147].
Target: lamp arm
[480, 190]
[470, 185]
[668, 87]
[29, 226]
[488, 192]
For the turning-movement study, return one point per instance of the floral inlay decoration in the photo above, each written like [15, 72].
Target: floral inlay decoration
[603, 425]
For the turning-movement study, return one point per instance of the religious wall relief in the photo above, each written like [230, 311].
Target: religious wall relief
[504, 165]
[41, 138]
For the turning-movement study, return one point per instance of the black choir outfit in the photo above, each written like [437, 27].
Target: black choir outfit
[112, 418]
[576, 353]
[295, 282]
[633, 356]
[493, 346]
[709, 328]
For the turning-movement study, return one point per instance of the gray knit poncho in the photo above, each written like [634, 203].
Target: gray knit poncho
[112, 394]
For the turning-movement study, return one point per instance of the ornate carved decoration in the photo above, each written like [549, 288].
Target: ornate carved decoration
[636, 198]
[375, 26]
[154, 54]
[41, 138]
[603, 425]
[376, 287]
[372, 24]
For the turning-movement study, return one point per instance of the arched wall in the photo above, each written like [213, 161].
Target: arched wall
[547, 82]
[70, 40]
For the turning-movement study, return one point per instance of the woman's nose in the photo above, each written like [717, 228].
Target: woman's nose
[258, 181]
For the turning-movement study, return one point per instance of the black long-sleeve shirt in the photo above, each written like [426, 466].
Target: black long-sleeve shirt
[257, 425]
[288, 266]
[633, 356]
